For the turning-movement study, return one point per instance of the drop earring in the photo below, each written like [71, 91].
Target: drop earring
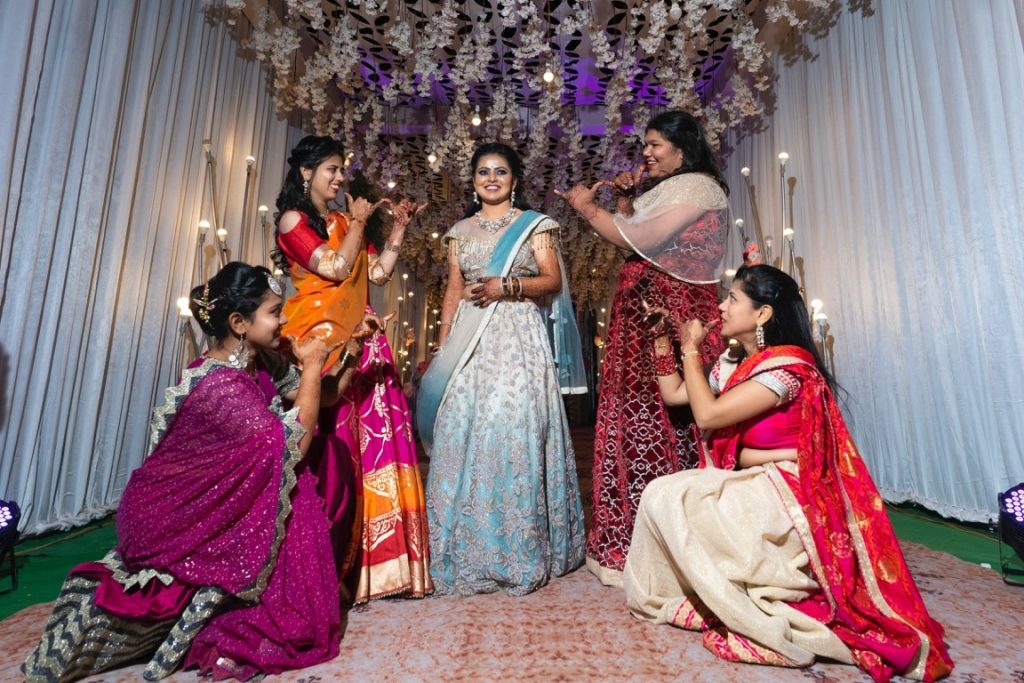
[239, 358]
[759, 333]
[305, 187]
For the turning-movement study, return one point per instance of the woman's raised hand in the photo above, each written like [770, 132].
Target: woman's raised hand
[406, 210]
[628, 181]
[656, 319]
[312, 353]
[580, 196]
[693, 332]
[370, 325]
[360, 209]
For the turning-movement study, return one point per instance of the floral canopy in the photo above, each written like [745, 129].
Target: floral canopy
[412, 86]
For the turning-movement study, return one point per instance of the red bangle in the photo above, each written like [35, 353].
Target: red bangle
[665, 365]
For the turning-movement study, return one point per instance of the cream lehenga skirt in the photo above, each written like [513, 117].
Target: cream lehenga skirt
[718, 551]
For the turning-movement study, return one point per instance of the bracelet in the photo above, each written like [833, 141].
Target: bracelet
[665, 365]
[347, 359]
[391, 246]
[519, 281]
[684, 354]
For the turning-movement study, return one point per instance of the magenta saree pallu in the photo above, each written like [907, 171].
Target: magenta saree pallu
[224, 559]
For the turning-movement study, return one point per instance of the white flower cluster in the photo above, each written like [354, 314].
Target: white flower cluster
[442, 63]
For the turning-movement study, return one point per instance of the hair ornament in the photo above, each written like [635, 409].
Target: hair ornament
[206, 305]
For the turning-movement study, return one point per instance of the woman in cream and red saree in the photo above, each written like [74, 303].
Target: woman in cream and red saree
[778, 548]
[380, 539]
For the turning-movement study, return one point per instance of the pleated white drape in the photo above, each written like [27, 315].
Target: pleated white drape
[906, 139]
[105, 107]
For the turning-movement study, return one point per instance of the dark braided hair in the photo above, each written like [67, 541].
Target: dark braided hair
[684, 132]
[790, 324]
[311, 151]
[236, 288]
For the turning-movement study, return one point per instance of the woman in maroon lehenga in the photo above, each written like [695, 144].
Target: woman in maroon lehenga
[676, 232]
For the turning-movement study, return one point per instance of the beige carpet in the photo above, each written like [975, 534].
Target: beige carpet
[576, 630]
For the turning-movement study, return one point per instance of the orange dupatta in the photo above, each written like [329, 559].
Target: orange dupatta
[322, 308]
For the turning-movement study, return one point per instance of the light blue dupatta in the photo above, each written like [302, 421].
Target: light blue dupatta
[472, 320]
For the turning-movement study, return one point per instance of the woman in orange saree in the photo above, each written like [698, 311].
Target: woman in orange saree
[380, 537]
[778, 547]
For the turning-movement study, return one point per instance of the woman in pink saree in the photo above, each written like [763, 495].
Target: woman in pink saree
[223, 559]
[778, 548]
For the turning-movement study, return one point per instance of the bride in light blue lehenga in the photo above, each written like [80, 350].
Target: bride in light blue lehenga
[503, 500]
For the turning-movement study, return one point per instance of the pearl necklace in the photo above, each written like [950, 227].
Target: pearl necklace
[497, 224]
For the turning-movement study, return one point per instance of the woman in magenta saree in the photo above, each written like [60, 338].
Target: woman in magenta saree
[223, 559]
[778, 549]
[675, 233]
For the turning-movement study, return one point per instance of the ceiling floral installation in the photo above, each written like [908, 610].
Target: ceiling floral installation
[412, 86]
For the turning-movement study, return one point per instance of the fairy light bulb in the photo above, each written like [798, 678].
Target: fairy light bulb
[730, 272]
[405, 276]
[817, 305]
[434, 235]
[432, 158]
[548, 76]
[745, 172]
[222, 234]
[738, 223]
[250, 161]
[391, 184]
[204, 226]
[788, 234]
[475, 120]
[263, 209]
[783, 158]
[182, 303]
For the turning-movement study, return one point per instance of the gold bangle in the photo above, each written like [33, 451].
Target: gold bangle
[690, 353]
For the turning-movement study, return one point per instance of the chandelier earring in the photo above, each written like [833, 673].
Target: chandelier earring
[759, 333]
[476, 197]
[512, 199]
[305, 187]
[239, 358]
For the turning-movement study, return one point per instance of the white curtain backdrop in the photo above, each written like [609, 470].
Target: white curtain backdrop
[105, 107]
[906, 140]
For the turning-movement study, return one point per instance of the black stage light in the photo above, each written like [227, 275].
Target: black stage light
[1011, 529]
[9, 516]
